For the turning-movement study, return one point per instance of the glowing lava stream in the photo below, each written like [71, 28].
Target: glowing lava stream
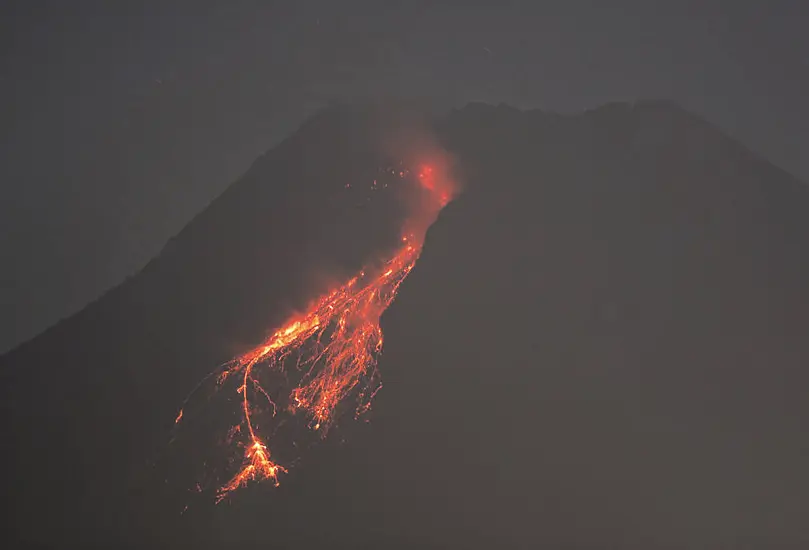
[336, 344]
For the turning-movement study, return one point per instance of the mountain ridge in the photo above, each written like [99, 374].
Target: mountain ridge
[620, 107]
[595, 239]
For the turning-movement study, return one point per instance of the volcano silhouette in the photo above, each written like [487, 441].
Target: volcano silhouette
[602, 345]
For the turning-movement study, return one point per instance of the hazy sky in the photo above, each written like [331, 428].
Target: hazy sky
[120, 123]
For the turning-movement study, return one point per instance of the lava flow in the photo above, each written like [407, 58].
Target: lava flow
[334, 344]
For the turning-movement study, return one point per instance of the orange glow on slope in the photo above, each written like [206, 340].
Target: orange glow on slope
[336, 343]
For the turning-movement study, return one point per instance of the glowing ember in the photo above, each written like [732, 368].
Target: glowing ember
[258, 466]
[335, 343]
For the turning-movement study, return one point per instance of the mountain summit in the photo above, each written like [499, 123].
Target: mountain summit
[602, 345]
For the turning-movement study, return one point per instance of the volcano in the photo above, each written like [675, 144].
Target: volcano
[601, 345]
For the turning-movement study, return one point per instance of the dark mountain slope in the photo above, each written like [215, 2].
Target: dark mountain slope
[601, 346]
[90, 401]
[611, 347]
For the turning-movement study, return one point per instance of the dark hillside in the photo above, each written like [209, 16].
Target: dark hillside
[602, 346]
[92, 399]
[612, 340]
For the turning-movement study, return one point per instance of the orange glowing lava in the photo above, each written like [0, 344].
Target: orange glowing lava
[334, 344]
